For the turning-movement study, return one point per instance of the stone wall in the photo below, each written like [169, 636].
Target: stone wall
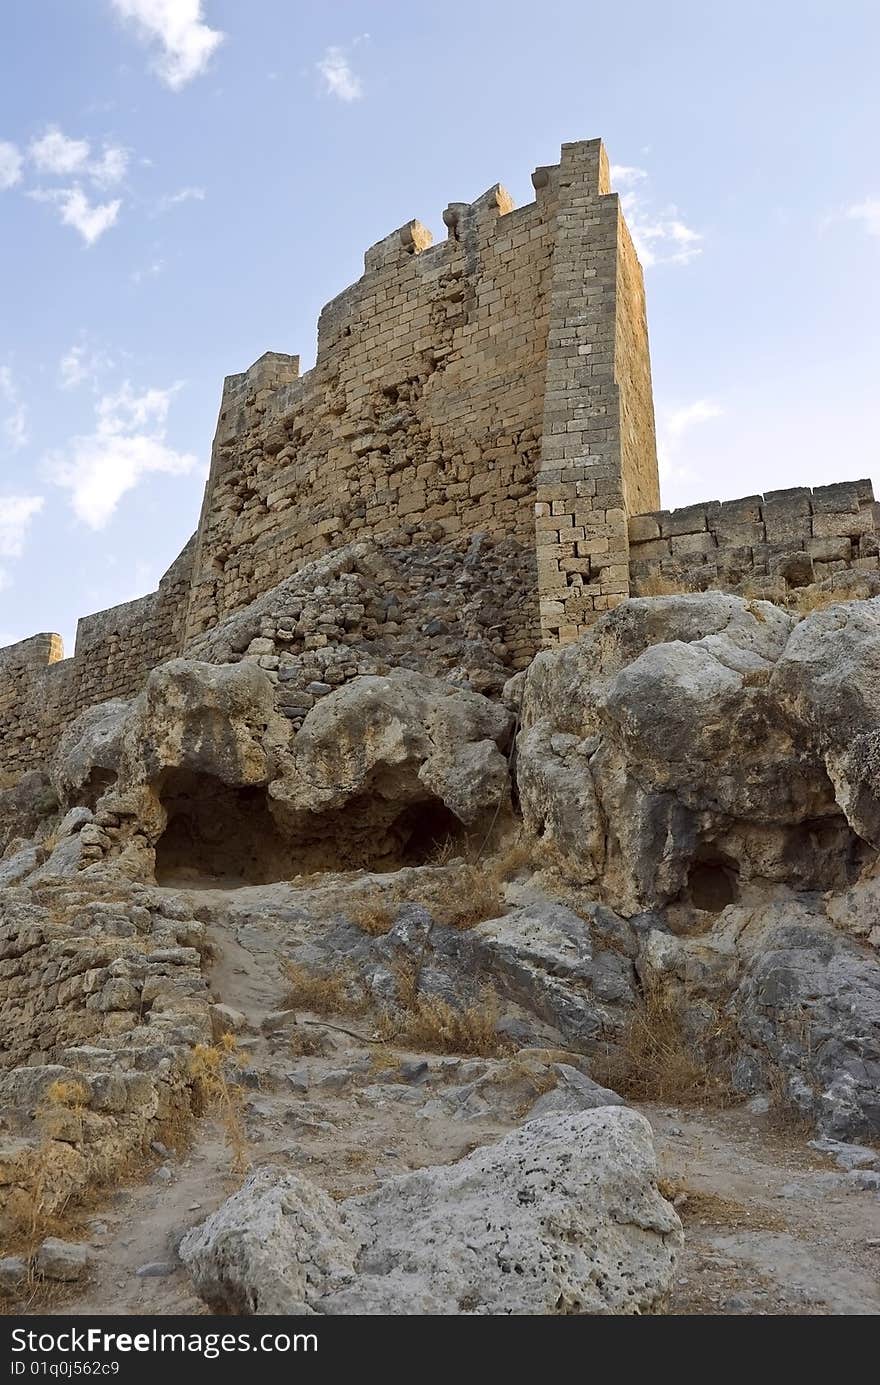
[445, 378]
[772, 543]
[424, 409]
[40, 690]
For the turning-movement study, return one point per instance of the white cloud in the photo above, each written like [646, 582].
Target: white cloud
[186, 42]
[868, 213]
[673, 425]
[10, 165]
[81, 366]
[56, 153]
[660, 237]
[14, 422]
[625, 175]
[16, 513]
[337, 75]
[111, 167]
[90, 219]
[128, 443]
[62, 156]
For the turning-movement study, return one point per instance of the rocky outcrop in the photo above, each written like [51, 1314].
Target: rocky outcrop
[560, 1217]
[690, 743]
[392, 742]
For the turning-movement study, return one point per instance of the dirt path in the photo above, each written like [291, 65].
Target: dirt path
[772, 1226]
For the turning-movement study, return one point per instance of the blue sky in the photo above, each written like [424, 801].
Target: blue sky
[184, 183]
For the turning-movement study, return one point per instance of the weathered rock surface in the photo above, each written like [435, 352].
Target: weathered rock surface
[560, 1217]
[276, 1246]
[65, 1260]
[688, 743]
[388, 743]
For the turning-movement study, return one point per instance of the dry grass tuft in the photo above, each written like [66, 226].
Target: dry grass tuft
[435, 1025]
[656, 1061]
[806, 600]
[72, 1095]
[429, 1022]
[702, 1207]
[212, 1090]
[322, 995]
[373, 914]
[476, 891]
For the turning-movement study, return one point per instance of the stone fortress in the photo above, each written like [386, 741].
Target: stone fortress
[480, 413]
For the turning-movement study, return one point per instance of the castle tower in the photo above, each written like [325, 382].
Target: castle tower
[598, 454]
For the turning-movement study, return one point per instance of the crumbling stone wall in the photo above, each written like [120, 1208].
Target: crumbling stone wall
[772, 543]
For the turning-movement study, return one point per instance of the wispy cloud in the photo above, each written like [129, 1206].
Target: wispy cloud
[58, 155]
[63, 156]
[661, 236]
[174, 199]
[867, 213]
[13, 423]
[129, 442]
[82, 366]
[11, 164]
[90, 219]
[185, 42]
[337, 75]
[16, 514]
[673, 426]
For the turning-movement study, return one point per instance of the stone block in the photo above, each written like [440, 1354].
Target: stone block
[642, 528]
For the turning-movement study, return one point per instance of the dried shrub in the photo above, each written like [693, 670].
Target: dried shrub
[372, 914]
[429, 1022]
[656, 1060]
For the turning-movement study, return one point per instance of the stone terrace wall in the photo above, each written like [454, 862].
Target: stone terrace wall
[782, 540]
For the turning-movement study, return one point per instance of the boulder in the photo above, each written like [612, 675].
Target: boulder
[275, 1246]
[560, 1217]
[86, 760]
[65, 1260]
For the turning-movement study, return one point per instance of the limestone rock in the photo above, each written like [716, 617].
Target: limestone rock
[560, 1217]
[672, 752]
[406, 738]
[65, 1260]
[86, 761]
[275, 1246]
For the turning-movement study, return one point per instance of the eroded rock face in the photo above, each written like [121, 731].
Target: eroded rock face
[379, 746]
[560, 1217]
[86, 762]
[690, 742]
[276, 1246]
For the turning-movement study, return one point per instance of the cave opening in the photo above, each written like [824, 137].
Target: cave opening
[218, 831]
[713, 882]
[227, 834]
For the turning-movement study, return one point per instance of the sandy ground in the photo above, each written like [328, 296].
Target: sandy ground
[772, 1226]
